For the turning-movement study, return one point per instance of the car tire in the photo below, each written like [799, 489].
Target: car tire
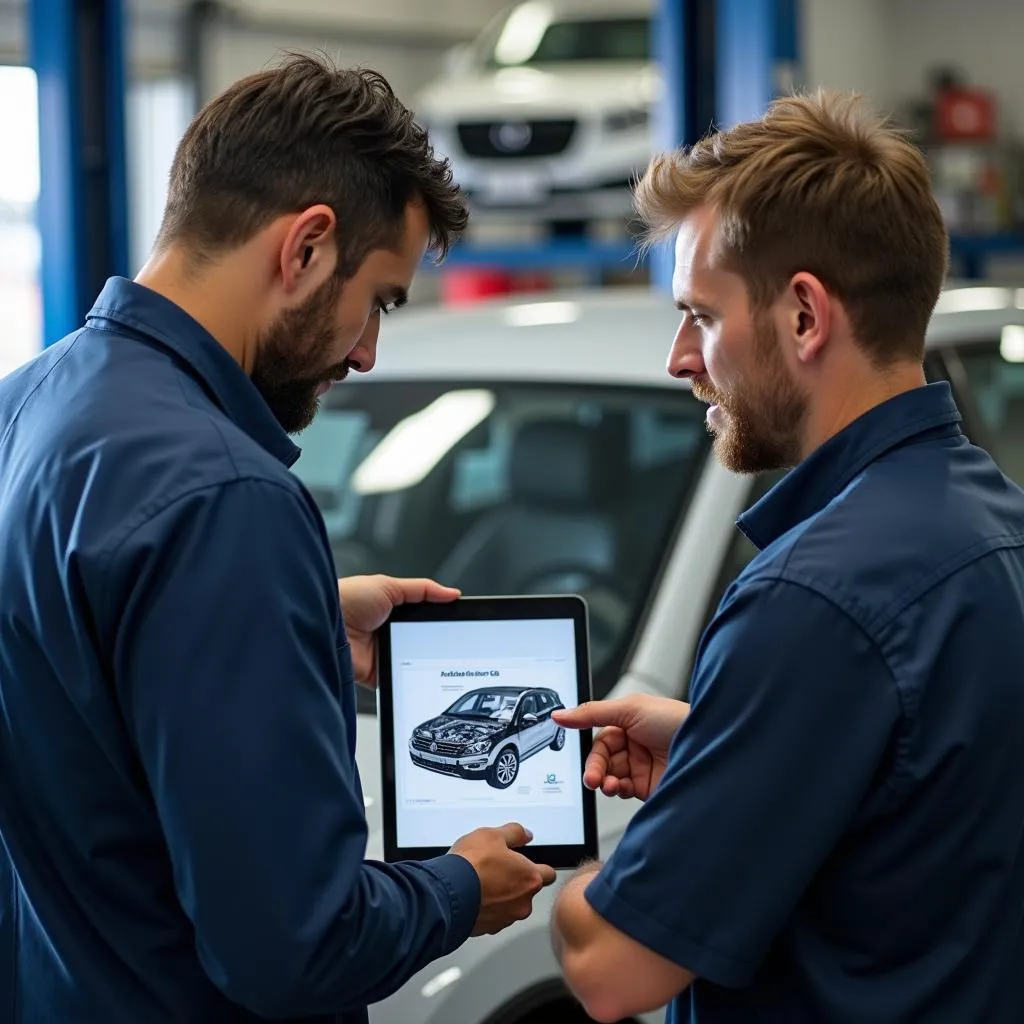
[559, 741]
[505, 769]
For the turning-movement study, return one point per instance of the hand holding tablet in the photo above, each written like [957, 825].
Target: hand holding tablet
[467, 694]
[508, 880]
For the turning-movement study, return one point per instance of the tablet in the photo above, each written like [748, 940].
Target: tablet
[466, 691]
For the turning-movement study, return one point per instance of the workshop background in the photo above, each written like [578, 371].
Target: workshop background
[543, 337]
[953, 74]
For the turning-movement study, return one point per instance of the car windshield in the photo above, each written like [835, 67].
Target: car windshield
[529, 37]
[509, 489]
[485, 705]
[994, 373]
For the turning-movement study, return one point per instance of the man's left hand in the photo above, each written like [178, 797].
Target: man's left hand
[366, 602]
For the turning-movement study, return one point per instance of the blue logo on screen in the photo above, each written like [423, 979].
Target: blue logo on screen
[551, 778]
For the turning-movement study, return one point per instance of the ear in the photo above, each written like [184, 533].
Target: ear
[807, 313]
[309, 254]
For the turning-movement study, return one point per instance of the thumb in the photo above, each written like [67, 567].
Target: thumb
[515, 835]
[595, 713]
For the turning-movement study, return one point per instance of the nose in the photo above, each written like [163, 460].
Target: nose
[685, 359]
[363, 357]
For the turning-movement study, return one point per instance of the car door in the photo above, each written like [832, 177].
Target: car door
[547, 726]
[530, 734]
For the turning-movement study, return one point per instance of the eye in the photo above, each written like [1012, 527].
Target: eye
[384, 308]
[698, 319]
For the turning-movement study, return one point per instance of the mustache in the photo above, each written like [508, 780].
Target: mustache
[704, 391]
[337, 373]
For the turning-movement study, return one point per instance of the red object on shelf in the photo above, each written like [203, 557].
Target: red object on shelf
[965, 114]
[464, 286]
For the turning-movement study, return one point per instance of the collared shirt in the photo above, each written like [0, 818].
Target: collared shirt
[181, 818]
[839, 834]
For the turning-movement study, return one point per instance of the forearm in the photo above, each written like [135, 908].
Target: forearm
[612, 975]
[577, 938]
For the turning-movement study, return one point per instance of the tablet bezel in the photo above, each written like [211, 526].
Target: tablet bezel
[560, 606]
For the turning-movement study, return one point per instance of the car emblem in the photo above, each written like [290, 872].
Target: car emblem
[510, 136]
[433, 748]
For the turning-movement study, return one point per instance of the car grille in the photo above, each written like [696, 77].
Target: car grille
[448, 749]
[508, 140]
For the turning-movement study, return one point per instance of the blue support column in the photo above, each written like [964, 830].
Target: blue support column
[746, 36]
[77, 50]
[683, 45]
[720, 63]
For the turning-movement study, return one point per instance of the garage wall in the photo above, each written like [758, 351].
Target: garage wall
[407, 42]
[847, 45]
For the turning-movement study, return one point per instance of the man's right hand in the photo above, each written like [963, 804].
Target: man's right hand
[508, 880]
[630, 752]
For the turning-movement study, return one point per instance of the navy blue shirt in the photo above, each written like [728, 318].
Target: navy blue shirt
[181, 819]
[839, 834]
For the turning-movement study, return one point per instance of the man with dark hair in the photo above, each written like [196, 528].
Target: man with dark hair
[182, 831]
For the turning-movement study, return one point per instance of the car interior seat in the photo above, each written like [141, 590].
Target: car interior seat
[558, 519]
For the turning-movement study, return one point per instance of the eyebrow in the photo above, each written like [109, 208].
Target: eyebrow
[693, 304]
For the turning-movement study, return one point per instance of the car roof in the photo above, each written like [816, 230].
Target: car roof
[615, 336]
[502, 689]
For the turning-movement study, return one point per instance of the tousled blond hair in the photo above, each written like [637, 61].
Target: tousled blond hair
[818, 184]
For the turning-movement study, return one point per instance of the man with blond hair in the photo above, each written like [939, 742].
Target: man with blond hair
[833, 828]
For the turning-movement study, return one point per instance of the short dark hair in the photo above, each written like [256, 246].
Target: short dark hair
[301, 133]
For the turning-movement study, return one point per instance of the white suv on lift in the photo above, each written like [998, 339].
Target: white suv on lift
[443, 462]
[550, 108]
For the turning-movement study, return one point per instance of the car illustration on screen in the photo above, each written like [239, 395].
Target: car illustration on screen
[487, 733]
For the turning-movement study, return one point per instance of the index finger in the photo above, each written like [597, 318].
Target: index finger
[594, 713]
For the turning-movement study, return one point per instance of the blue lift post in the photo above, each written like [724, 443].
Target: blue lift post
[77, 50]
[718, 61]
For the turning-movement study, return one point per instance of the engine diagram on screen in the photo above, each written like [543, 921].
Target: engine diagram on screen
[488, 732]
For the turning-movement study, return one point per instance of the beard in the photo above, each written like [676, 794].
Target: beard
[291, 359]
[763, 420]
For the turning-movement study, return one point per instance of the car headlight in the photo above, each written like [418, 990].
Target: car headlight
[627, 120]
[423, 734]
[480, 746]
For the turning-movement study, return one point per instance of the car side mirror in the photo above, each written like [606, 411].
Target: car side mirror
[530, 719]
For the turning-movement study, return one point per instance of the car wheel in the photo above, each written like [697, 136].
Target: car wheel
[503, 772]
[559, 741]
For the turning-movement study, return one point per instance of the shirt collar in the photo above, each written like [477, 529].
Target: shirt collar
[147, 313]
[824, 474]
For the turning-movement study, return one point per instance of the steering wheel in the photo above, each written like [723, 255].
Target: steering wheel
[609, 611]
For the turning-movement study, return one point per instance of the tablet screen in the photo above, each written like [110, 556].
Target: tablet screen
[474, 741]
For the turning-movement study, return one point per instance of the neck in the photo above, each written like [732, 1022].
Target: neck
[856, 395]
[211, 296]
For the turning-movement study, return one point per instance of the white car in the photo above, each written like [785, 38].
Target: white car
[525, 446]
[550, 108]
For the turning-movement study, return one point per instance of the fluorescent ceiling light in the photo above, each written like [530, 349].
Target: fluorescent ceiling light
[522, 33]
[1020, 298]
[1011, 343]
[539, 314]
[415, 445]
[972, 300]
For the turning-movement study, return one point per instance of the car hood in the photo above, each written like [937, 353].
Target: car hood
[558, 90]
[449, 729]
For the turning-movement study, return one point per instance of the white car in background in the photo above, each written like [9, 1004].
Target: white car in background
[449, 461]
[550, 108]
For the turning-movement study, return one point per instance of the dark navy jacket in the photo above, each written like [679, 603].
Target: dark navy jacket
[839, 835]
[181, 819]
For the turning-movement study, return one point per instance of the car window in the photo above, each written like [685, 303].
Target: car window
[522, 42]
[530, 705]
[510, 489]
[996, 387]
